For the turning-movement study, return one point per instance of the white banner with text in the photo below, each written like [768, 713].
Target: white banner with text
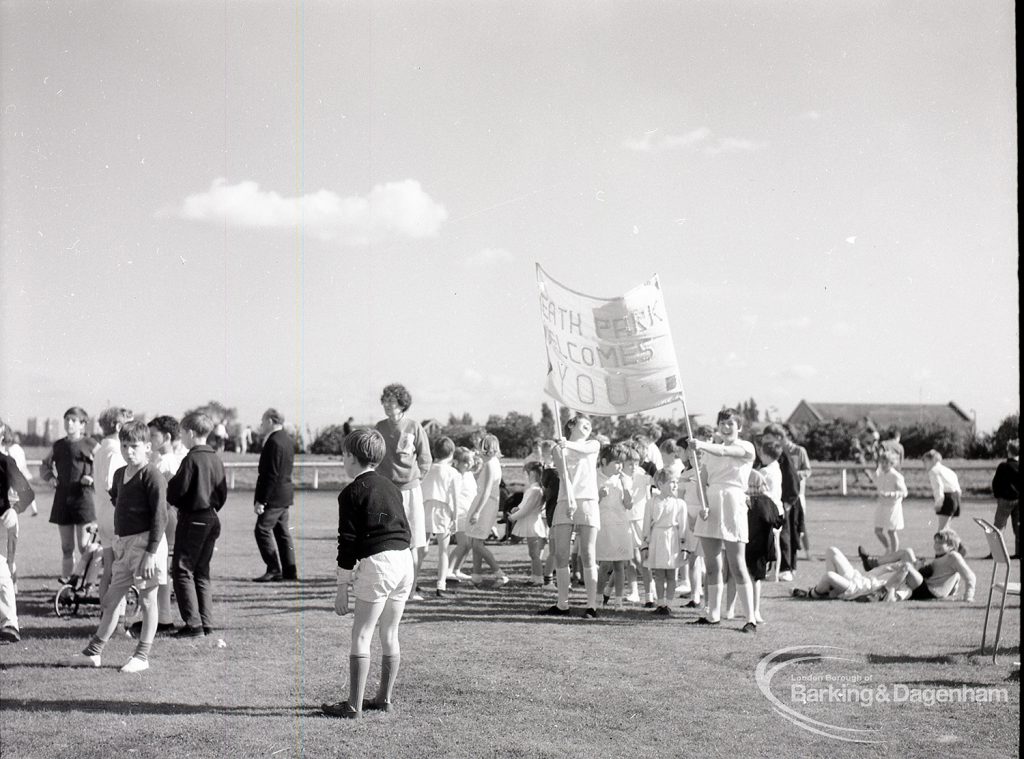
[608, 356]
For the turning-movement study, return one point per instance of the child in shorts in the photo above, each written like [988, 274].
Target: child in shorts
[373, 554]
[945, 488]
[140, 548]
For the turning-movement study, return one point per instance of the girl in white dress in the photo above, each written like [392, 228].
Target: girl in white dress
[529, 520]
[892, 489]
[575, 459]
[723, 523]
[664, 529]
[483, 514]
[614, 545]
[463, 462]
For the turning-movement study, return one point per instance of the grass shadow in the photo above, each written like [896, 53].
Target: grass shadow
[142, 707]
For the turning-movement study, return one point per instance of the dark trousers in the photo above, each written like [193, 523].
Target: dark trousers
[275, 541]
[194, 539]
[789, 538]
[1009, 511]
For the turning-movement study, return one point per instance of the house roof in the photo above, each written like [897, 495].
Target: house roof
[889, 414]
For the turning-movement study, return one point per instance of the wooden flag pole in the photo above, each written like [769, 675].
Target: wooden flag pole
[694, 459]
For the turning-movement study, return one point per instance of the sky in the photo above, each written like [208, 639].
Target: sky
[292, 204]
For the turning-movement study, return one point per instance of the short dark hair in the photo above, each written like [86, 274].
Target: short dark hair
[730, 413]
[704, 432]
[772, 448]
[396, 392]
[775, 429]
[168, 425]
[76, 412]
[135, 431]
[198, 423]
[533, 467]
[570, 424]
[273, 415]
[612, 452]
[366, 446]
[442, 448]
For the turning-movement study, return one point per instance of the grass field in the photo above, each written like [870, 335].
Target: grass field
[483, 676]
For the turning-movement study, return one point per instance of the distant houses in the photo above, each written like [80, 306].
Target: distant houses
[883, 415]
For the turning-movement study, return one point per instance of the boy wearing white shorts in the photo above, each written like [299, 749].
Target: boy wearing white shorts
[140, 548]
[373, 554]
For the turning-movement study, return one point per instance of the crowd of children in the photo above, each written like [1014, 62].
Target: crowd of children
[631, 521]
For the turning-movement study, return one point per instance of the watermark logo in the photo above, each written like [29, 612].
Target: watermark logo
[836, 682]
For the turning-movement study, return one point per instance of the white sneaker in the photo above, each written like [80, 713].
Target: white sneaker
[633, 597]
[501, 580]
[82, 660]
[618, 604]
[460, 575]
[415, 597]
[759, 619]
[135, 665]
[683, 589]
[785, 577]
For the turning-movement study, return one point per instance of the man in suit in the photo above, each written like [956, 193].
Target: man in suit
[274, 495]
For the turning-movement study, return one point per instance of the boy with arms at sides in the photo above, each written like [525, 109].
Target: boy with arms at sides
[198, 490]
[140, 548]
[373, 554]
[164, 434]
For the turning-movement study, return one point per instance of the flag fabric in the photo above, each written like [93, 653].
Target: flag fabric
[608, 356]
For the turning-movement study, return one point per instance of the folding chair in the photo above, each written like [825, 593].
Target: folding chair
[1000, 557]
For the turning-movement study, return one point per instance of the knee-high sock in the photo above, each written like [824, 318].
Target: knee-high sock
[715, 602]
[562, 581]
[590, 583]
[358, 669]
[388, 675]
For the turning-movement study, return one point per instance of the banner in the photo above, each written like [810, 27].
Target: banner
[608, 356]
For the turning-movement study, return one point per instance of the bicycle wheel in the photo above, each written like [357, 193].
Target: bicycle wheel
[65, 603]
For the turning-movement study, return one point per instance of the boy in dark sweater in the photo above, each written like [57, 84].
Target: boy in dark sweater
[140, 548]
[373, 554]
[199, 490]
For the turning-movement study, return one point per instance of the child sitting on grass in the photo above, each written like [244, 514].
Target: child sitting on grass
[373, 554]
[140, 548]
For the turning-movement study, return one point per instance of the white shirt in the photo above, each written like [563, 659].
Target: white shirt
[943, 480]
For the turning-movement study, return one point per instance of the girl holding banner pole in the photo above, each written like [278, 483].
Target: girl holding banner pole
[577, 508]
[723, 521]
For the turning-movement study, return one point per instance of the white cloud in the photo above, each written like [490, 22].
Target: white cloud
[810, 115]
[489, 256]
[799, 371]
[733, 145]
[701, 137]
[842, 329]
[390, 211]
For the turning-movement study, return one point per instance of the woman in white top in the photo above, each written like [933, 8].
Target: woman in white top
[723, 522]
[483, 514]
[575, 461]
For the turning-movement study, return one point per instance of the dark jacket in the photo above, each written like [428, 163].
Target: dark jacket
[11, 478]
[1004, 484]
[371, 519]
[790, 480]
[274, 487]
[140, 504]
[200, 484]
